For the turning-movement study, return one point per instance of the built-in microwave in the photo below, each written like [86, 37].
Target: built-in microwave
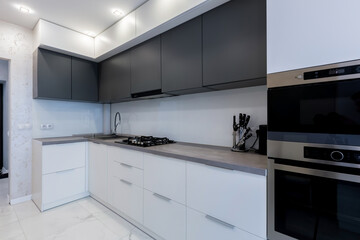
[314, 153]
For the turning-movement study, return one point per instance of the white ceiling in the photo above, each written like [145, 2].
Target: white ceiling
[80, 15]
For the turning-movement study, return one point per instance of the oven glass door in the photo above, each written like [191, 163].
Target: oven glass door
[330, 107]
[310, 207]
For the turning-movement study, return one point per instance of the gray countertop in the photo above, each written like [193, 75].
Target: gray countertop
[210, 155]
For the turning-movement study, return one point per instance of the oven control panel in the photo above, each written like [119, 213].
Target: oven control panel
[336, 155]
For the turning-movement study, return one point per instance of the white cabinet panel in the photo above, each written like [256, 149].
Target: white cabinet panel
[235, 197]
[126, 172]
[127, 198]
[201, 226]
[60, 157]
[166, 176]
[98, 171]
[130, 157]
[311, 33]
[164, 217]
[60, 185]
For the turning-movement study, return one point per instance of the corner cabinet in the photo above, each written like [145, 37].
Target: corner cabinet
[58, 76]
[59, 173]
[234, 45]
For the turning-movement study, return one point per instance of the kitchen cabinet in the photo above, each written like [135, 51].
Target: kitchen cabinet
[98, 171]
[234, 197]
[52, 75]
[164, 216]
[59, 174]
[61, 77]
[84, 80]
[115, 79]
[234, 45]
[146, 67]
[181, 58]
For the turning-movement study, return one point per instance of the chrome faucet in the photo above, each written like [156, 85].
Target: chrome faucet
[117, 123]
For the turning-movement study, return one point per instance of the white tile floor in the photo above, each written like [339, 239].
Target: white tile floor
[85, 219]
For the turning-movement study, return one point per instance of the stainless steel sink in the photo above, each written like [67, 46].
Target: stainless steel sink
[110, 136]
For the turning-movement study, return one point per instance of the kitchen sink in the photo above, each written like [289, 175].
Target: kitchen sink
[110, 136]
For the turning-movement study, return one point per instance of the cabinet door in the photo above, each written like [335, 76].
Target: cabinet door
[52, 75]
[145, 66]
[181, 61]
[84, 80]
[235, 197]
[234, 42]
[201, 226]
[115, 77]
[98, 172]
[164, 216]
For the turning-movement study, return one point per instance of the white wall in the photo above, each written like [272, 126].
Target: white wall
[16, 46]
[68, 118]
[204, 118]
[310, 33]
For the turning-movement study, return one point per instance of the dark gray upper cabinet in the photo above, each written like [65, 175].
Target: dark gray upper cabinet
[234, 43]
[146, 66]
[181, 58]
[52, 75]
[115, 77]
[84, 80]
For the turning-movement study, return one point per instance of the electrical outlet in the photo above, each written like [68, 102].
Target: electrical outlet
[43, 126]
[46, 126]
[49, 126]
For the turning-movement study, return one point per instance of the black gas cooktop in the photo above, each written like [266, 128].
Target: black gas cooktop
[147, 141]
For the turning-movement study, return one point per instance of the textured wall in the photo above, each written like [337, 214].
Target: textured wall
[16, 45]
[199, 118]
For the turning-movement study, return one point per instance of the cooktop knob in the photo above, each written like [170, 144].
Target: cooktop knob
[337, 156]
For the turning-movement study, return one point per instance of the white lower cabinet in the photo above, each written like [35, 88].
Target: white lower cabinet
[164, 217]
[205, 227]
[127, 198]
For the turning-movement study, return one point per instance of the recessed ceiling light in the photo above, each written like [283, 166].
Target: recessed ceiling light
[89, 33]
[24, 9]
[118, 13]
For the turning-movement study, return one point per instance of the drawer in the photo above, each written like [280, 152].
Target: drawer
[164, 216]
[166, 176]
[127, 198]
[201, 226]
[126, 172]
[235, 197]
[60, 157]
[132, 158]
[60, 185]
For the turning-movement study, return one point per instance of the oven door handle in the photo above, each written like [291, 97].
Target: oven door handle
[318, 173]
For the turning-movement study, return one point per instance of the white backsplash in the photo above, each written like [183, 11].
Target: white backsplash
[68, 118]
[204, 118]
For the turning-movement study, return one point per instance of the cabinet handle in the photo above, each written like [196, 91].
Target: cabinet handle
[65, 171]
[125, 165]
[162, 197]
[126, 182]
[220, 222]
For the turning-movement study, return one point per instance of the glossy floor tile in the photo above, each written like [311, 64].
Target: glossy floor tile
[85, 219]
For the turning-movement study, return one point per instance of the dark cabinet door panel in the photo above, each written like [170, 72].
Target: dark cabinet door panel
[115, 77]
[234, 42]
[84, 80]
[53, 75]
[146, 66]
[181, 62]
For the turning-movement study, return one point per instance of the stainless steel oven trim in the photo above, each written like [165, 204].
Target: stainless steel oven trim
[295, 151]
[295, 77]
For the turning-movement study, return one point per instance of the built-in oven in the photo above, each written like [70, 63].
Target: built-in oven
[314, 153]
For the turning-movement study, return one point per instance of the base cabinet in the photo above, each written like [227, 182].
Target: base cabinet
[164, 216]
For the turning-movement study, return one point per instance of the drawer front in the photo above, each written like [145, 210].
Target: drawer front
[132, 158]
[164, 217]
[60, 185]
[166, 176]
[235, 197]
[126, 172]
[127, 198]
[201, 226]
[60, 157]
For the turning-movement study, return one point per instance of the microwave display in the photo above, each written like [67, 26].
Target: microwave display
[330, 107]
